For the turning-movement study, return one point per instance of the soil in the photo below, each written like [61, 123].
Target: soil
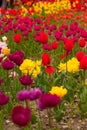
[70, 121]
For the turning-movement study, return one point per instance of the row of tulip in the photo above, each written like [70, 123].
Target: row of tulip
[48, 7]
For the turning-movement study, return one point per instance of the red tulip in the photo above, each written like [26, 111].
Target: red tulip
[82, 43]
[50, 69]
[79, 55]
[83, 63]
[17, 38]
[69, 44]
[43, 38]
[45, 59]
[54, 45]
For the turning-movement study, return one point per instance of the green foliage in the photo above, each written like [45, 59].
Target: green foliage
[59, 78]
[42, 81]
[70, 83]
[39, 126]
[1, 120]
[83, 101]
[34, 118]
[59, 111]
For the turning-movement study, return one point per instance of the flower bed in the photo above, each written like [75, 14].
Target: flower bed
[43, 64]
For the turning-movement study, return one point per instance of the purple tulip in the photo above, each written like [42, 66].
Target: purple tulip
[20, 53]
[83, 33]
[38, 21]
[7, 64]
[37, 28]
[68, 33]
[72, 27]
[31, 94]
[16, 59]
[49, 33]
[47, 47]
[75, 39]
[58, 35]
[23, 95]
[25, 80]
[3, 99]
[48, 101]
[29, 29]
[53, 27]
[61, 29]
[25, 33]
[22, 27]
[34, 93]
[37, 38]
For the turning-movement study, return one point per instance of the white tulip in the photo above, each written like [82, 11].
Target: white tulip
[4, 38]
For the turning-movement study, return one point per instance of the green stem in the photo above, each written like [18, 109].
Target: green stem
[81, 77]
[40, 126]
[49, 118]
[1, 119]
[84, 76]
[28, 127]
[66, 65]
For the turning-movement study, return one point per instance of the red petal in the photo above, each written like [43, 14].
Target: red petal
[50, 69]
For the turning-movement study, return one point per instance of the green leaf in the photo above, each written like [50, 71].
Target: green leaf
[33, 119]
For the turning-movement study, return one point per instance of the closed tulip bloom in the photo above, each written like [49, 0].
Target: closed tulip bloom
[82, 42]
[17, 57]
[21, 116]
[83, 63]
[7, 64]
[20, 53]
[54, 45]
[43, 37]
[34, 93]
[79, 55]
[50, 69]
[69, 44]
[23, 95]
[68, 33]
[25, 80]
[4, 99]
[17, 60]
[58, 35]
[53, 27]
[17, 38]
[45, 59]
[31, 94]
[48, 100]
[47, 47]
[49, 33]
[37, 28]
